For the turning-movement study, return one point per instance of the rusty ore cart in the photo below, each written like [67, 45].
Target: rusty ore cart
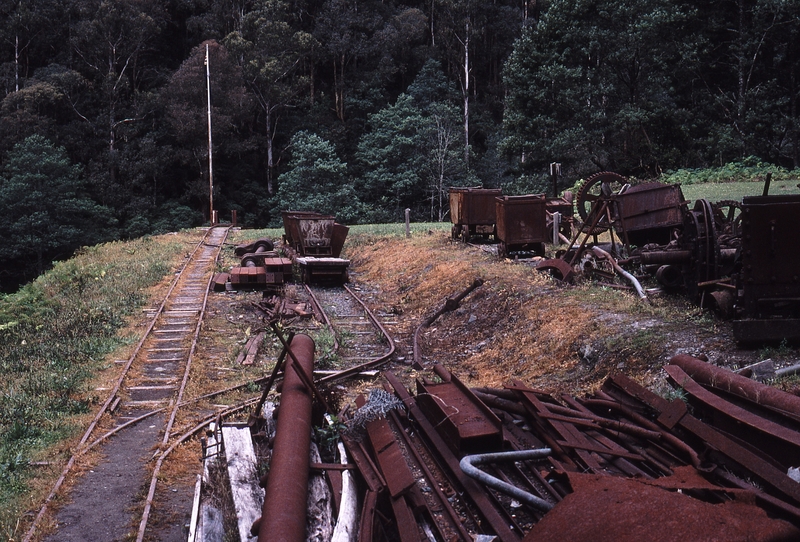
[521, 225]
[649, 212]
[472, 212]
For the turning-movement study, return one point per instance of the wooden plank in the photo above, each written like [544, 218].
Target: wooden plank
[195, 509]
[241, 459]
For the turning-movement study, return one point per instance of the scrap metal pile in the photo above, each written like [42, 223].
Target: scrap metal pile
[453, 463]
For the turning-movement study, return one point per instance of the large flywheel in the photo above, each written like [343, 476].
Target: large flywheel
[602, 184]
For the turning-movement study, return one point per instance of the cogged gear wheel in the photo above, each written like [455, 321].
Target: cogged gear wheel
[600, 184]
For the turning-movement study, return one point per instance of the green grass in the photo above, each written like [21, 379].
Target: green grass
[737, 190]
[359, 235]
[55, 335]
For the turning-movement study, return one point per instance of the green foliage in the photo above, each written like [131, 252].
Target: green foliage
[749, 169]
[589, 86]
[47, 213]
[316, 181]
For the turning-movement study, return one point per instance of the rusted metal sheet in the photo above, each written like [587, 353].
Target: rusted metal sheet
[675, 413]
[338, 237]
[522, 223]
[649, 211]
[770, 270]
[612, 509]
[496, 520]
[461, 418]
[390, 459]
[773, 439]
[284, 515]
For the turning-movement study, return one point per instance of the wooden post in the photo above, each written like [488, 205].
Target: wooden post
[556, 227]
[408, 226]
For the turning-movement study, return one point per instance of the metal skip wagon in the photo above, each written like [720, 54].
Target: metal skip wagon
[521, 224]
[472, 212]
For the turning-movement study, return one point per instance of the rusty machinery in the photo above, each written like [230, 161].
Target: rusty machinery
[261, 268]
[474, 213]
[521, 224]
[738, 259]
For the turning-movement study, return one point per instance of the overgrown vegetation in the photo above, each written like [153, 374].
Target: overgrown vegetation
[55, 337]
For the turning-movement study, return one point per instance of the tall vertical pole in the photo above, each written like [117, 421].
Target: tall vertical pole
[210, 162]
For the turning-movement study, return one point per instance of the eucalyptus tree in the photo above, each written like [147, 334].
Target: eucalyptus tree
[185, 100]
[590, 85]
[744, 77]
[271, 49]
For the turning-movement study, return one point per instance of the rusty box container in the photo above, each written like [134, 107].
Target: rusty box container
[768, 304]
[649, 212]
[472, 211]
[308, 233]
[337, 240]
[521, 223]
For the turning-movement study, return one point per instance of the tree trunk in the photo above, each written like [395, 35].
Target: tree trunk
[16, 63]
[270, 137]
[466, 95]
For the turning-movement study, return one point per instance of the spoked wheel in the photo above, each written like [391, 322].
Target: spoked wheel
[700, 237]
[594, 187]
[728, 217]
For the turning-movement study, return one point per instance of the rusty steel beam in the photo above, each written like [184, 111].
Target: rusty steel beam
[777, 441]
[675, 413]
[728, 381]
[284, 514]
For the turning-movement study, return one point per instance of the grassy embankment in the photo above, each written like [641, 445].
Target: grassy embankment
[59, 336]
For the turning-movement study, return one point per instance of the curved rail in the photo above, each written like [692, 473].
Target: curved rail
[370, 364]
[82, 446]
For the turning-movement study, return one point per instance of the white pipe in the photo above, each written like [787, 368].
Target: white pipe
[603, 254]
[468, 463]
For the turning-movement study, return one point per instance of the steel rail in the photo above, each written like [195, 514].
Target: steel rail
[371, 364]
[113, 393]
[177, 402]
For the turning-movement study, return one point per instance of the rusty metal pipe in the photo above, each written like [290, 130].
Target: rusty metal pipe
[451, 304]
[284, 515]
[603, 254]
[666, 257]
[726, 380]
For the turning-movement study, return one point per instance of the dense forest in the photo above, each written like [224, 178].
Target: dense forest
[363, 108]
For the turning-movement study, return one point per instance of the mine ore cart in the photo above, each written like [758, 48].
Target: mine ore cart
[521, 224]
[651, 211]
[308, 233]
[768, 285]
[472, 212]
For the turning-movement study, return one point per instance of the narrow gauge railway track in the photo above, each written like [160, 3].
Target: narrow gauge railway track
[360, 341]
[152, 382]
